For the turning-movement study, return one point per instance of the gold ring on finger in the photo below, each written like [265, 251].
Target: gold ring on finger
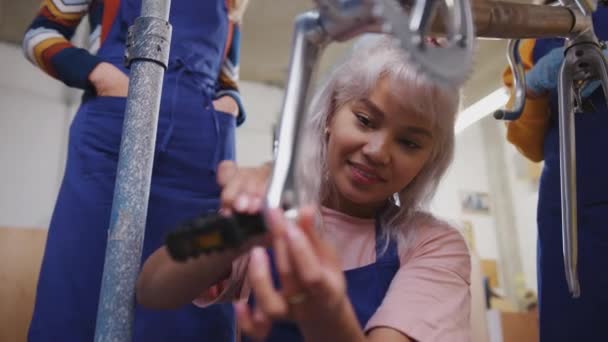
[297, 298]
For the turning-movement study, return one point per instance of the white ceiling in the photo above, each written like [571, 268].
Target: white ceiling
[266, 42]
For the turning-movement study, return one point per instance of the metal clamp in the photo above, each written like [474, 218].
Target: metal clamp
[148, 39]
[519, 84]
[410, 21]
[452, 62]
[344, 19]
[584, 61]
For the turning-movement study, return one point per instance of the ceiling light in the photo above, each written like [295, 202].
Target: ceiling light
[480, 109]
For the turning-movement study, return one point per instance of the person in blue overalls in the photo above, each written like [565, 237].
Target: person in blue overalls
[199, 111]
[378, 267]
[535, 133]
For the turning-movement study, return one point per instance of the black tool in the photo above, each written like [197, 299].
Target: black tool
[212, 233]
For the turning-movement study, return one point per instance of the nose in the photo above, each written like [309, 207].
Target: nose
[377, 149]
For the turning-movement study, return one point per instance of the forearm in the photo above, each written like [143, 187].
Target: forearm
[47, 42]
[344, 326]
[336, 327]
[164, 283]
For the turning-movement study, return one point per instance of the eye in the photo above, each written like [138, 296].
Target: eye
[409, 144]
[363, 119]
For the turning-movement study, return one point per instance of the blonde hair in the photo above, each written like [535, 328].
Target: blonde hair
[355, 78]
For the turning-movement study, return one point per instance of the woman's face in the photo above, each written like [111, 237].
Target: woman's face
[376, 147]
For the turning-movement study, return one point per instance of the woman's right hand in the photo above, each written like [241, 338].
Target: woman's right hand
[243, 188]
[108, 80]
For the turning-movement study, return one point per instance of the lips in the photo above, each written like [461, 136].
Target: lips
[363, 174]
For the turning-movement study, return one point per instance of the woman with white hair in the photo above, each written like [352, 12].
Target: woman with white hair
[377, 267]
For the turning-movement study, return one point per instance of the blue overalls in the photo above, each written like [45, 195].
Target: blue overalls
[563, 318]
[192, 138]
[366, 287]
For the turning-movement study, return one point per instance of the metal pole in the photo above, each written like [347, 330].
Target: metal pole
[308, 41]
[583, 61]
[567, 161]
[519, 84]
[494, 19]
[507, 20]
[148, 50]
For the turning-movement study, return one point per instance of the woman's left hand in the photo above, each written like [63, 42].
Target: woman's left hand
[226, 104]
[313, 289]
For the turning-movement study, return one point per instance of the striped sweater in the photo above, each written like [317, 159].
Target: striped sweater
[47, 42]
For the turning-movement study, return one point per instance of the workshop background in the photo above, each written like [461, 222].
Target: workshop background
[487, 175]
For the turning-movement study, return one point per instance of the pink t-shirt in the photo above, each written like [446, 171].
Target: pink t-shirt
[427, 300]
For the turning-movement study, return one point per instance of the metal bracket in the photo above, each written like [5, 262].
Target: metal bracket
[148, 39]
[583, 61]
[452, 62]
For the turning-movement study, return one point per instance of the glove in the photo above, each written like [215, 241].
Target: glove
[544, 75]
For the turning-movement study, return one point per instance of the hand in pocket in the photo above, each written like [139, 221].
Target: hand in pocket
[226, 104]
[108, 80]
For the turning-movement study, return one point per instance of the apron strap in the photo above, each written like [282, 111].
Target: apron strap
[386, 247]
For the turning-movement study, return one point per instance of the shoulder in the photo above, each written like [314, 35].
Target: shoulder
[432, 282]
[437, 242]
[431, 231]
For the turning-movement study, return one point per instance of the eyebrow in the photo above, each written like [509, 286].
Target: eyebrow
[372, 106]
[410, 129]
[419, 131]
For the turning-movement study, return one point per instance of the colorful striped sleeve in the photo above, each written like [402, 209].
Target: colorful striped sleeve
[229, 74]
[47, 42]
[528, 132]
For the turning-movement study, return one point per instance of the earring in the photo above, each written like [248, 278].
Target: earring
[397, 199]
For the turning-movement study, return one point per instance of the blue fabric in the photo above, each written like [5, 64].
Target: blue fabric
[366, 287]
[198, 39]
[191, 139]
[563, 318]
[543, 77]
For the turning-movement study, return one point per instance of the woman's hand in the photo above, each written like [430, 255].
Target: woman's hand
[243, 188]
[243, 192]
[108, 80]
[313, 285]
[166, 284]
[226, 104]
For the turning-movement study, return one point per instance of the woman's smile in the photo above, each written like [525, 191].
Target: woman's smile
[363, 175]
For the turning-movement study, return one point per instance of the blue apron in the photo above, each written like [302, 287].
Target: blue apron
[366, 287]
[192, 138]
[563, 318]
